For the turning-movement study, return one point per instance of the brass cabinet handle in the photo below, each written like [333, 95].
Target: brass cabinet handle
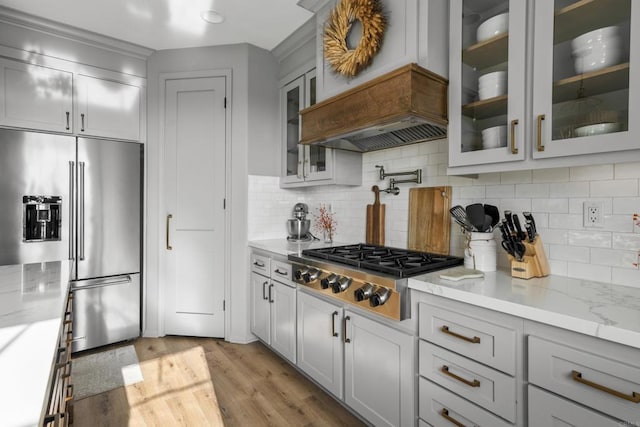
[634, 397]
[169, 247]
[474, 340]
[344, 329]
[333, 324]
[514, 150]
[67, 113]
[270, 299]
[264, 290]
[444, 413]
[445, 370]
[540, 119]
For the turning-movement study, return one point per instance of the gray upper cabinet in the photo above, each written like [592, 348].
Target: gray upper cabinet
[35, 97]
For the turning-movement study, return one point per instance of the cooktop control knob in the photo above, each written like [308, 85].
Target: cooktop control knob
[364, 292]
[301, 272]
[341, 285]
[311, 275]
[329, 280]
[379, 297]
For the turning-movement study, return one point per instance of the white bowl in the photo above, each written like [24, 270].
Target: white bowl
[494, 137]
[599, 57]
[599, 35]
[597, 129]
[492, 27]
[492, 84]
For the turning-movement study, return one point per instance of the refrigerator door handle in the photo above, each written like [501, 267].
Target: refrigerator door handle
[71, 211]
[81, 212]
[101, 283]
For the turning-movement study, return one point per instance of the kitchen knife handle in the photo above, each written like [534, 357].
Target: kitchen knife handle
[514, 150]
[71, 210]
[540, 119]
[169, 247]
[344, 329]
[81, 212]
[333, 324]
[519, 232]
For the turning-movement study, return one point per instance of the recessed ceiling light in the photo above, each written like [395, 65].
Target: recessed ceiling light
[212, 17]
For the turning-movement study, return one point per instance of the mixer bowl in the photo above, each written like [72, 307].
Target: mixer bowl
[298, 228]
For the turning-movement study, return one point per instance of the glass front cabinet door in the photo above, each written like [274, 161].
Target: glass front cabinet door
[302, 163]
[583, 99]
[487, 81]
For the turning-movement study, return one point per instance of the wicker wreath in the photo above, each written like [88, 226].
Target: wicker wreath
[343, 60]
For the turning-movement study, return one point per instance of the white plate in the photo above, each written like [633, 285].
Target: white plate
[597, 129]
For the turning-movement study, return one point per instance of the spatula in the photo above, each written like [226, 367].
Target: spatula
[494, 213]
[475, 214]
[460, 216]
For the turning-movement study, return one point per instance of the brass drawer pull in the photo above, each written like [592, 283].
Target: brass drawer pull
[577, 376]
[514, 150]
[445, 414]
[445, 370]
[474, 340]
[169, 247]
[541, 117]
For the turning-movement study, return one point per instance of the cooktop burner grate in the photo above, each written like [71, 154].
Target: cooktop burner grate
[393, 261]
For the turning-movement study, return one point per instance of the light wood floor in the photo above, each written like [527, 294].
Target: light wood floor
[208, 382]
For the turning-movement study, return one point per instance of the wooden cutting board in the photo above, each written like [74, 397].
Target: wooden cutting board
[429, 219]
[375, 220]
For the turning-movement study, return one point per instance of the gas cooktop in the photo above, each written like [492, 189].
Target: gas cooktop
[400, 263]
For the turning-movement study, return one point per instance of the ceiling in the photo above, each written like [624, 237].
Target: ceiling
[173, 24]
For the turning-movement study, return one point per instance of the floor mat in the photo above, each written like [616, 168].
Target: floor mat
[100, 372]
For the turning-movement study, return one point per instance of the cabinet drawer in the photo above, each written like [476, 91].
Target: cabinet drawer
[260, 264]
[441, 408]
[282, 272]
[484, 386]
[423, 423]
[596, 377]
[475, 338]
[546, 409]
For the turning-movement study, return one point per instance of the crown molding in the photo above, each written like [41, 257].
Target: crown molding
[299, 37]
[17, 18]
[312, 5]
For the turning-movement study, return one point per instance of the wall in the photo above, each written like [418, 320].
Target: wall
[554, 196]
[238, 58]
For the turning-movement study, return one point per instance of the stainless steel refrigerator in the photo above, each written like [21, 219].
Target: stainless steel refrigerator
[63, 197]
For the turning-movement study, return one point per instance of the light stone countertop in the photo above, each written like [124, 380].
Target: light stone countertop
[285, 247]
[602, 310]
[32, 304]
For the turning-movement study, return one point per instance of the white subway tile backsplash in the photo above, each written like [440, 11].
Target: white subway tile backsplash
[515, 205]
[532, 191]
[471, 192]
[550, 237]
[550, 205]
[592, 239]
[625, 277]
[565, 221]
[619, 223]
[568, 253]
[576, 205]
[488, 179]
[626, 241]
[558, 267]
[627, 170]
[501, 191]
[626, 205]
[551, 175]
[569, 189]
[614, 258]
[515, 177]
[591, 173]
[614, 188]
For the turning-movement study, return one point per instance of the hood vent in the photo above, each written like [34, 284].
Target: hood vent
[403, 107]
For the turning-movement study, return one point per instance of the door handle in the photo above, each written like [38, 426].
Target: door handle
[540, 119]
[270, 299]
[514, 150]
[264, 290]
[81, 212]
[634, 397]
[344, 329]
[169, 247]
[445, 329]
[71, 210]
[444, 413]
[282, 273]
[333, 324]
[67, 113]
[445, 370]
[82, 122]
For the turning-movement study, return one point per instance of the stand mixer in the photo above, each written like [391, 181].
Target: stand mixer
[298, 226]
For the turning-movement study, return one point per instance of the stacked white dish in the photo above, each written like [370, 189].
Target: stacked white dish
[597, 129]
[492, 84]
[494, 137]
[492, 27]
[596, 49]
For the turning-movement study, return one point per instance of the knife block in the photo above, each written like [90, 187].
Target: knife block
[534, 262]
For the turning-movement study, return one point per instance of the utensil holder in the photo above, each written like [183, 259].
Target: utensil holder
[534, 262]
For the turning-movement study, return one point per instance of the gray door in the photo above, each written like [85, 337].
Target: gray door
[109, 208]
[33, 164]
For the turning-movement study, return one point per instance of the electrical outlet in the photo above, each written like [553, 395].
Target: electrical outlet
[593, 214]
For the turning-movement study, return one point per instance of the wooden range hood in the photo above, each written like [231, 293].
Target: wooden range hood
[404, 106]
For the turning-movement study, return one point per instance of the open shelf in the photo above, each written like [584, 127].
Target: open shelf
[587, 15]
[606, 80]
[486, 108]
[487, 53]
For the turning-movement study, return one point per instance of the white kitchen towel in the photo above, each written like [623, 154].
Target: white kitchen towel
[99, 372]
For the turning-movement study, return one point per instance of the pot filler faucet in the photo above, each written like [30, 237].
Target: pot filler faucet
[393, 189]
